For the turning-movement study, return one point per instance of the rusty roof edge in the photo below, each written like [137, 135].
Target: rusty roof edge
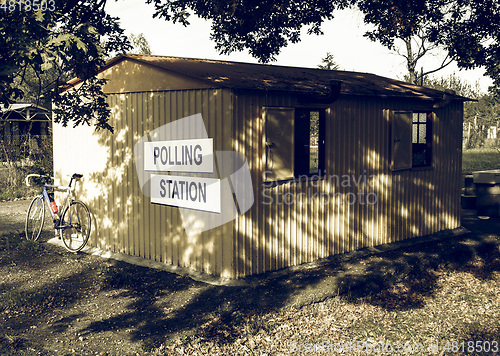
[124, 56]
[217, 86]
[407, 90]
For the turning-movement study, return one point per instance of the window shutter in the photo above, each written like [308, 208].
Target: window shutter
[401, 140]
[279, 131]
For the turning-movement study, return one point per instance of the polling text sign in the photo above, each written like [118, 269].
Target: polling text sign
[186, 192]
[179, 156]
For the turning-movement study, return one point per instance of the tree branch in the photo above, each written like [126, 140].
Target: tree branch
[443, 65]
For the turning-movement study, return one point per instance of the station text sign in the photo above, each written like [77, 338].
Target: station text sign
[186, 192]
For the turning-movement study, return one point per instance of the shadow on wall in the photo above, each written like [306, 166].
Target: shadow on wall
[125, 220]
[310, 219]
[409, 203]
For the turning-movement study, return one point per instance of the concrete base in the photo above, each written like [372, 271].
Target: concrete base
[144, 262]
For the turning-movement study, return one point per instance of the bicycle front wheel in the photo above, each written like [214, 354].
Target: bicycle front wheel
[35, 218]
[75, 226]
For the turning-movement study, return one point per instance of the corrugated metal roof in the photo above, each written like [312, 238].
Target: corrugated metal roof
[237, 75]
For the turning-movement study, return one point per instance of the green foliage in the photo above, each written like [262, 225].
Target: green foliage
[478, 118]
[467, 30]
[328, 62]
[29, 154]
[480, 114]
[85, 104]
[263, 27]
[140, 44]
[455, 83]
[9, 192]
[45, 48]
[36, 85]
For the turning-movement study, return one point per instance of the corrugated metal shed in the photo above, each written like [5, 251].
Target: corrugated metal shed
[361, 116]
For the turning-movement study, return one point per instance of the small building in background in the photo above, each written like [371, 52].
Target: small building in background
[24, 128]
[305, 163]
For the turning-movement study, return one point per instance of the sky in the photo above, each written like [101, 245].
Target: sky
[343, 37]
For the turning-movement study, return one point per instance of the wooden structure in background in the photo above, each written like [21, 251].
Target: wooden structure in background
[24, 124]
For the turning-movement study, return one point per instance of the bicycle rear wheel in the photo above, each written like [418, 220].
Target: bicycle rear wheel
[35, 218]
[75, 226]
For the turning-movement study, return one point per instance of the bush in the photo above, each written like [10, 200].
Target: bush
[32, 155]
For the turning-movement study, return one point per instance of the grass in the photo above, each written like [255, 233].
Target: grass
[10, 190]
[10, 193]
[16, 240]
[480, 159]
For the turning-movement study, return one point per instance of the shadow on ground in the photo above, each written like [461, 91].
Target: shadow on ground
[99, 304]
[156, 313]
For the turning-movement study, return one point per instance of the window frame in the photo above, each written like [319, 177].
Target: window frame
[417, 146]
[271, 149]
[403, 149]
[299, 171]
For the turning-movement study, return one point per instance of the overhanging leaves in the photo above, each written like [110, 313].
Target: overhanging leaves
[469, 30]
[83, 105]
[72, 41]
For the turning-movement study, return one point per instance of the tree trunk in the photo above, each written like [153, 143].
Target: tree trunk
[410, 61]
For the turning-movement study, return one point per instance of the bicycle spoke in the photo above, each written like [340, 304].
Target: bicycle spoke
[75, 226]
[35, 218]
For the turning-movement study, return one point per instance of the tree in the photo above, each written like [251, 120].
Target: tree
[57, 40]
[36, 87]
[416, 48]
[468, 30]
[261, 26]
[328, 62]
[140, 44]
[407, 28]
[479, 115]
[66, 37]
[455, 83]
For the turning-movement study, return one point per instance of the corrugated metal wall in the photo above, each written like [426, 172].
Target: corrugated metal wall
[314, 219]
[125, 220]
[301, 221]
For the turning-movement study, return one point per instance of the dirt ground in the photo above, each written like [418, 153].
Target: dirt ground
[12, 215]
[54, 303]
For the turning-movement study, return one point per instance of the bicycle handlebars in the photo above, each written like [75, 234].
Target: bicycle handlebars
[26, 180]
[75, 176]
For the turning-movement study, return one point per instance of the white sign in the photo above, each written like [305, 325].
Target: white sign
[179, 156]
[186, 192]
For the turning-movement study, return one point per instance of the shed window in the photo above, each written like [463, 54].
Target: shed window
[294, 142]
[421, 139]
[411, 140]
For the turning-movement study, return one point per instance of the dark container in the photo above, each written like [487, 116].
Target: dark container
[488, 192]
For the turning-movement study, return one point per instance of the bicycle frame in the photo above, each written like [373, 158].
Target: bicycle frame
[73, 220]
[67, 201]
